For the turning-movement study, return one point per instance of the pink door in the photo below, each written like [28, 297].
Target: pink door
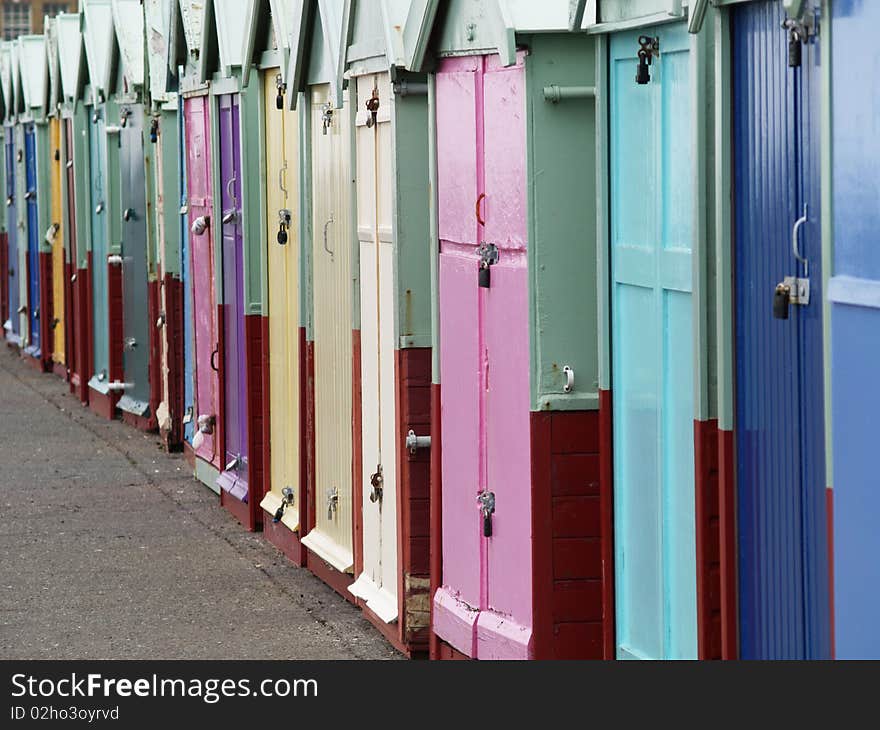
[484, 607]
[204, 303]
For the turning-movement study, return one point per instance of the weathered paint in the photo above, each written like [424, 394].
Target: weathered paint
[185, 266]
[206, 342]
[783, 562]
[855, 295]
[331, 253]
[377, 584]
[56, 233]
[652, 350]
[12, 325]
[282, 194]
[73, 318]
[136, 315]
[34, 344]
[234, 478]
[485, 605]
[100, 250]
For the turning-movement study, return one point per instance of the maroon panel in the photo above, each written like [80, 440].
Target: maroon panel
[83, 304]
[707, 507]
[413, 406]
[105, 405]
[728, 539]
[567, 536]
[175, 337]
[606, 501]
[449, 653]
[309, 436]
[829, 511]
[4, 277]
[47, 311]
[70, 327]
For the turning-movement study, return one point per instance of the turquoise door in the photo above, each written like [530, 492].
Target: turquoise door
[652, 348]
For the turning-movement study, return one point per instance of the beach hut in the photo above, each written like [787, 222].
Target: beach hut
[140, 386]
[315, 87]
[33, 67]
[75, 219]
[854, 296]
[240, 252]
[391, 487]
[4, 237]
[165, 190]
[267, 51]
[778, 328]
[11, 327]
[520, 530]
[184, 60]
[106, 383]
[56, 232]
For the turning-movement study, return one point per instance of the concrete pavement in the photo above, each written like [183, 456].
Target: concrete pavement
[110, 550]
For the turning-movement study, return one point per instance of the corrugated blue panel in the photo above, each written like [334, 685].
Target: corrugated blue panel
[783, 564]
[12, 230]
[188, 341]
[33, 225]
[652, 341]
[856, 329]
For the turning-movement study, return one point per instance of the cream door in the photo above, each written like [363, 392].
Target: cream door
[282, 216]
[378, 582]
[331, 538]
[56, 233]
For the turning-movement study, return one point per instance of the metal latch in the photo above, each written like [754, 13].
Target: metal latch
[332, 502]
[230, 217]
[486, 500]
[488, 253]
[206, 424]
[114, 260]
[118, 386]
[377, 482]
[234, 464]
[282, 90]
[188, 416]
[327, 116]
[414, 443]
[648, 48]
[129, 344]
[285, 218]
[286, 501]
[373, 108]
[569, 379]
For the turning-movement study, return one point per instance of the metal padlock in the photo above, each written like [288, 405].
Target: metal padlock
[377, 482]
[485, 276]
[781, 301]
[282, 236]
[486, 500]
[488, 257]
[795, 50]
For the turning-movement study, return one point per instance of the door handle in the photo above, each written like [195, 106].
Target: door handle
[326, 226]
[214, 360]
[281, 178]
[795, 240]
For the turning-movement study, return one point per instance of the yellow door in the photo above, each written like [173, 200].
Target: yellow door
[282, 216]
[377, 585]
[331, 539]
[57, 223]
[163, 413]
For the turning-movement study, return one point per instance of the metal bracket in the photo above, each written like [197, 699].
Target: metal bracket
[414, 443]
[327, 116]
[377, 482]
[332, 502]
[799, 290]
[488, 254]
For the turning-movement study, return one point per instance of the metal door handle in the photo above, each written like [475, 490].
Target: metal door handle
[230, 190]
[414, 443]
[114, 260]
[214, 359]
[326, 226]
[281, 178]
[479, 203]
[795, 240]
[229, 217]
[128, 214]
[569, 379]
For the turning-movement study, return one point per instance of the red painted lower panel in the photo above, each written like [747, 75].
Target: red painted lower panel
[606, 501]
[174, 336]
[83, 305]
[413, 408]
[117, 322]
[566, 506]
[155, 362]
[449, 653]
[255, 327]
[339, 582]
[47, 312]
[708, 507]
[238, 509]
[4, 277]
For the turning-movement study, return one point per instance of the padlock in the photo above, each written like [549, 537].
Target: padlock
[279, 513]
[643, 74]
[485, 276]
[781, 301]
[377, 481]
[282, 235]
[486, 500]
[487, 525]
[795, 50]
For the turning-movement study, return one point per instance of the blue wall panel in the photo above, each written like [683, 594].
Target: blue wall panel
[856, 327]
[12, 229]
[33, 233]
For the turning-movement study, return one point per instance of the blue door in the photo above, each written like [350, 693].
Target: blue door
[14, 325]
[652, 348]
[856, 329]
[186, 283]
[783, 562]
[33, 241]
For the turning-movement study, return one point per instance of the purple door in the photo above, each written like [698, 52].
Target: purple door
[234, 476]
[484, 607]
